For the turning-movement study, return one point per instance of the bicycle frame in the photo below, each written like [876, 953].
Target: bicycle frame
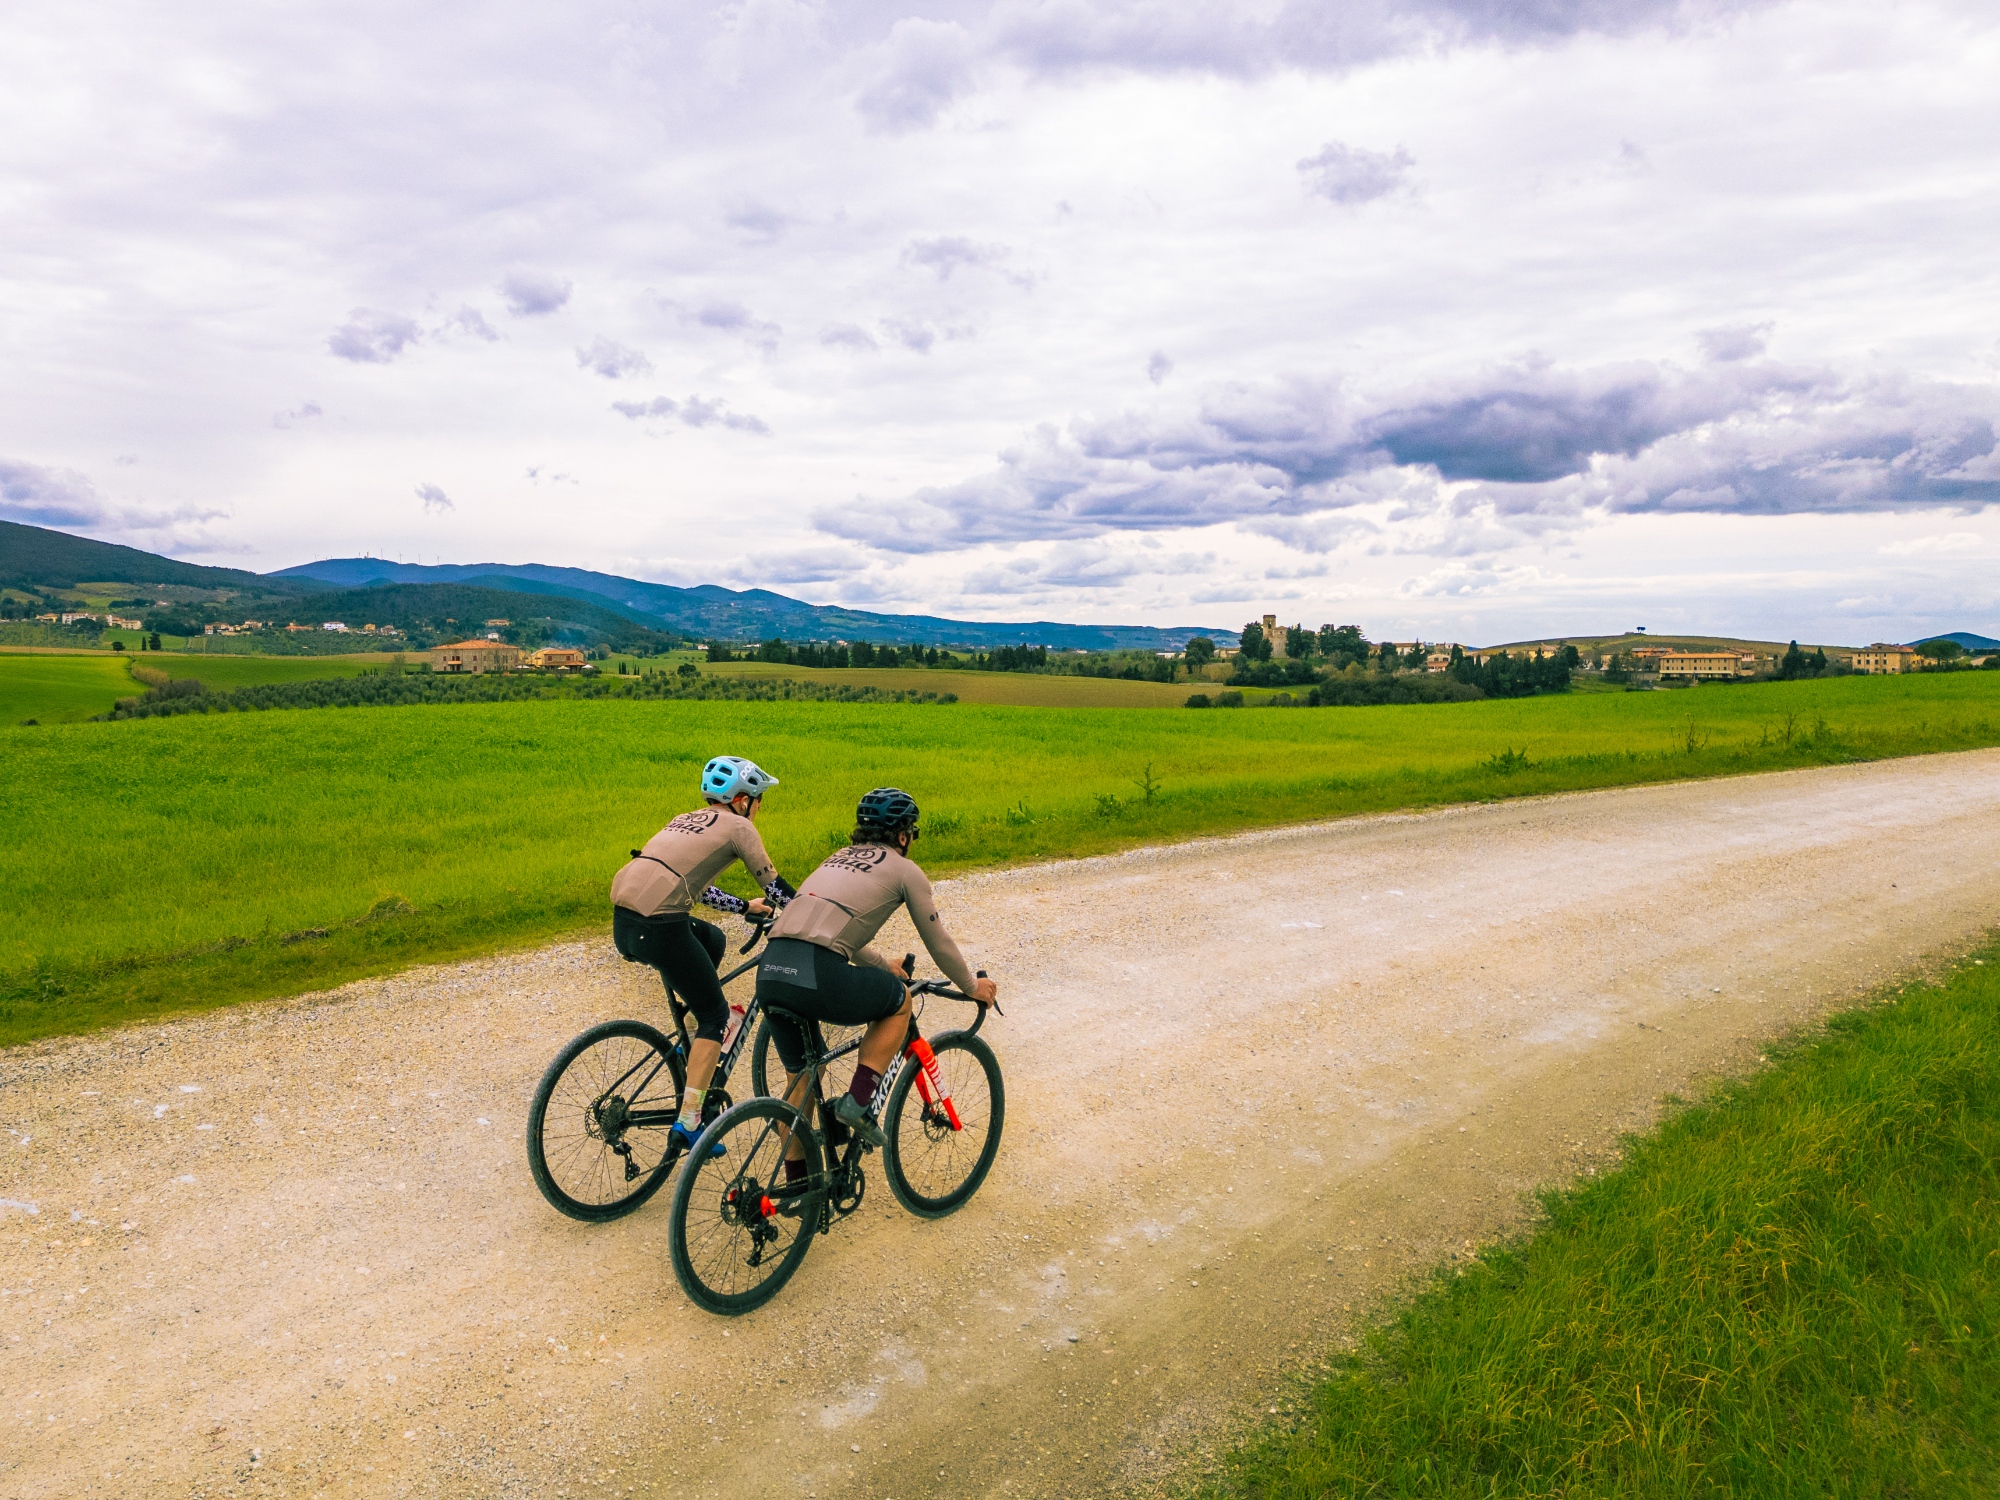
[929, 1083]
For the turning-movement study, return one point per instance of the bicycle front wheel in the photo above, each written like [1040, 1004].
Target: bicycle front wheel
[739, 1228]
[767, 1069]
[598, 1142]
[933, 1161]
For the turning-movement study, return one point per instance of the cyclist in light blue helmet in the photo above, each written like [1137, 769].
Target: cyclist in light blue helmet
[653, 899]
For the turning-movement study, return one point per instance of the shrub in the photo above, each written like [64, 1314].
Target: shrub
[1229, 700]
[1198, 700]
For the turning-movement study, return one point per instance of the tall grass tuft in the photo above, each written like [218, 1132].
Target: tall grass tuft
[1791, 1290]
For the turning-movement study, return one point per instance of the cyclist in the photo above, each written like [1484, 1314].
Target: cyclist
[652, 911]
[819, 962]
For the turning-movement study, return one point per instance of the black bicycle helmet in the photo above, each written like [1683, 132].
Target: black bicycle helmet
[887, 809]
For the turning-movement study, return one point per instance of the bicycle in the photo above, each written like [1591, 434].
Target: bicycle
[600, 1137]
[738, 1230]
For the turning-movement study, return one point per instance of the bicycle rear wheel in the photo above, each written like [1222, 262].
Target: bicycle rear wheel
[932, 1166]
[598, 1142]
[738, 1229]
[767, 1069]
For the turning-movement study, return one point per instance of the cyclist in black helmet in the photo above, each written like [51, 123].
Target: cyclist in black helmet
[819, 964]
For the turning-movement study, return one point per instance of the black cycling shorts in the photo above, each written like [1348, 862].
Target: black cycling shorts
[687, 952]
[819, 984]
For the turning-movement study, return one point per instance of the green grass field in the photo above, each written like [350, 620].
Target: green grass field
[172, 863]
[1791, 1290]
[62, 689]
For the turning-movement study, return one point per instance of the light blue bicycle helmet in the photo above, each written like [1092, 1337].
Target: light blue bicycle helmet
[727, 775]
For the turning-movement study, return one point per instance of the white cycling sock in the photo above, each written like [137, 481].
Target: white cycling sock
[691, 1109]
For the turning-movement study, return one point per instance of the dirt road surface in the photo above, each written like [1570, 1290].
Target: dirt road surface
[1255, 1086]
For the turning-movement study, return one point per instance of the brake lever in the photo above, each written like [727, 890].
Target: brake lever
[757, 926]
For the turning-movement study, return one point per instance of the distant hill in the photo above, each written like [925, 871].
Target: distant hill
[32, 556]
[449, 610]
[1966, 639]
[751, 614]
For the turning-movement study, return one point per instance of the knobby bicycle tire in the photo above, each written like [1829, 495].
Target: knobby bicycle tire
[933, 1169]
[587, 1178]
[715, 1232]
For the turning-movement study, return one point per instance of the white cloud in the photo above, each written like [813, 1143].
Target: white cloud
[1556, 357]
[436, 501]
[1947, 544]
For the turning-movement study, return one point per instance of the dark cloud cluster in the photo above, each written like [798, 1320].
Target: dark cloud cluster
[39, 496]
[1351, 174]
[946, 253]
[612, 360]
[534, 294]
[1513, 450]
[471, 323]
[371, 337]
[695, 411]
[733, 317]
[923, 65]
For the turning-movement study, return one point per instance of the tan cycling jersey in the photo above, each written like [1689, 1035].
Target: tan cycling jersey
[844, 903]
[680, 860]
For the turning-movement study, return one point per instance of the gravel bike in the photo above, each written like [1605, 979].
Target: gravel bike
[600, 1139]
[739, 1229]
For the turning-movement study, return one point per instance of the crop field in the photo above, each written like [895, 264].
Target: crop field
[61, 689]
[171, 863]
[1022, 689]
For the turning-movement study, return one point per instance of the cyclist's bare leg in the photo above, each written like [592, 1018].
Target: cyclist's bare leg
[702, 1058]
[797, 1094]
[885, 1038]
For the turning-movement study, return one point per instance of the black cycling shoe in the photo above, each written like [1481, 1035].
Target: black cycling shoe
[855, 1117]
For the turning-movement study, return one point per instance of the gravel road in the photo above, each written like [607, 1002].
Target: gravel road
[1255, 1085]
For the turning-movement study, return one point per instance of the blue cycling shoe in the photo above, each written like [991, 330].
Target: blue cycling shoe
[685, 1139]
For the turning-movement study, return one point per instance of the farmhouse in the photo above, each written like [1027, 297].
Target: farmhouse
[1697, 665]
[558, 659]
[1883, 657]
[475, 656]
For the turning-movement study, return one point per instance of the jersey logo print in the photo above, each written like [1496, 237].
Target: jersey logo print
[860, 858]
[695, 822]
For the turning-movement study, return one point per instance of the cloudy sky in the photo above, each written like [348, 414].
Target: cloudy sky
[1466, 319]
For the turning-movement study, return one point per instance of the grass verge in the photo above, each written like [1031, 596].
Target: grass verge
[1792, 1289]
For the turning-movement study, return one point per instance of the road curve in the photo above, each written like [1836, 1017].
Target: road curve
[1255, 1085]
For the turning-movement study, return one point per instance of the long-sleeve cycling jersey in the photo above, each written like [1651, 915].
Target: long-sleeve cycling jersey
[844, 903]
[673, 871]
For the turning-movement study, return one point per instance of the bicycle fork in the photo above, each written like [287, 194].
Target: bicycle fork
[930, 1084]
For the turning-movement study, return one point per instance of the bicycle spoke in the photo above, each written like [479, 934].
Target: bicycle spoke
[590, 1157]
[932, 1165]
[738, 1229]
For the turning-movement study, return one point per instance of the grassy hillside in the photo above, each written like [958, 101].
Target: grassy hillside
[1788, 1291]
[60, 689]
[67, 688]
[37, 556]
[274, 852]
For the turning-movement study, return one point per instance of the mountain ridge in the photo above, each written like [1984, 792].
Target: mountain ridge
[738, 615]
